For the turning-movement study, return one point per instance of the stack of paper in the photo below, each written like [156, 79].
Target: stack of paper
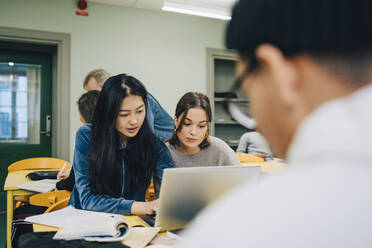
[82, 224]
[40, 186]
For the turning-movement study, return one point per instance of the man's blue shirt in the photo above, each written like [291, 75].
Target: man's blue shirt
[160, 121]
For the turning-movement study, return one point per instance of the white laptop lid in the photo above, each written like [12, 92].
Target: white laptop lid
[186, 191]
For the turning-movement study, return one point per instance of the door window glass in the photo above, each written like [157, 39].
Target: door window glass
[20, 103]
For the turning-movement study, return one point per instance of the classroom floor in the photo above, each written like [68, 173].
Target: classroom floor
[3, 228]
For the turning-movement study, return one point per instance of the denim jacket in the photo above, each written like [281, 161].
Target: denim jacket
[160, 121]
[83, 198]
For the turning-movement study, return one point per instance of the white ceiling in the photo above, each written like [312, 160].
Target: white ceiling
[157, 4]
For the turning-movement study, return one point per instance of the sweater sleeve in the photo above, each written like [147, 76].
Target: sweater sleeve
[68, 183]
[88, 200]
[243, 144]
[225, 154]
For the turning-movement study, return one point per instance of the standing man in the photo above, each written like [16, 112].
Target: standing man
[160, 121]
[95, 79]
[306, 66]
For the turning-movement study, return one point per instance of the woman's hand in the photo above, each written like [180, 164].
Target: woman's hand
[142, 208]
[63, 174]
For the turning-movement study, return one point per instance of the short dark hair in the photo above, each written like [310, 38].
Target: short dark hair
[340, 28]
[87, 103]
[188, 101]
[100, 75]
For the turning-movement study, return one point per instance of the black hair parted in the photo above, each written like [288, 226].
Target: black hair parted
[139, 156]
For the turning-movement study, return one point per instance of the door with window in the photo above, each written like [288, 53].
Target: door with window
[25, 107]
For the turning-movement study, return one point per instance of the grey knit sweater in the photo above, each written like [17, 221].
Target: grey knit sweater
[218, 153]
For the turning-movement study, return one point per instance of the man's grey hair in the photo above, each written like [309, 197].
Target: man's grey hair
[100, 75]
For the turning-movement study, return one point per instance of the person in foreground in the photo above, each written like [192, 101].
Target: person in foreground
[117, 155]
[191, 145]
[306, 66]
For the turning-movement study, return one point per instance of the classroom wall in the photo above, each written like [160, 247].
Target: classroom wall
[165, 51]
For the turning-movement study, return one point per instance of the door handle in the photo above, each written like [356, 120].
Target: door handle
[48, 119]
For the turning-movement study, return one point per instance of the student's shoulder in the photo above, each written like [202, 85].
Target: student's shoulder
[250, 135]
[87, 128]
[217, 143]
[151, 99]
[84, 132]
[160, 144]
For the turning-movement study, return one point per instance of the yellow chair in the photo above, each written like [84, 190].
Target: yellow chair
[150, 193]
[49, 198]
[38, 163]
[57, 206]
[246, 158]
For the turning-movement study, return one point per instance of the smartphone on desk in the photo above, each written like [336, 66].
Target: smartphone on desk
[39, 175]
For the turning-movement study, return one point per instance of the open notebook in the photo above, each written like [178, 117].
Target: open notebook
[40, 186]
[81, 224]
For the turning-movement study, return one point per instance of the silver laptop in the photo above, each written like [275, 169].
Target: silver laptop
[186, 191]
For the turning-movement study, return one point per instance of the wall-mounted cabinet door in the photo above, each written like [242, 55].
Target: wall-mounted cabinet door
[221, 77]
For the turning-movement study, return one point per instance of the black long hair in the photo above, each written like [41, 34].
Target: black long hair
[140, 155]
[188, 101]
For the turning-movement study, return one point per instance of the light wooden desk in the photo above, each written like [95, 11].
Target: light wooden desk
[268, 167]
[12, 181]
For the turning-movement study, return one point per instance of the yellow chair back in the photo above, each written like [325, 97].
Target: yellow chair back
[57, 206]
[38, 163]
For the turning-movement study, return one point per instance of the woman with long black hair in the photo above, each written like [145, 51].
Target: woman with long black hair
[117, 155]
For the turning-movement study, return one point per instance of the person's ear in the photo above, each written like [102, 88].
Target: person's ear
[282, 71]
[82, 118]
[175, 123]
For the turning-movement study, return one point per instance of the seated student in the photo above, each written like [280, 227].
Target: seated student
[117, 155]
[191, 145]
[86, 104]
[159, 120]
[253, 143]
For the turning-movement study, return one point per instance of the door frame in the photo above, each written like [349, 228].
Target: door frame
[60, 81]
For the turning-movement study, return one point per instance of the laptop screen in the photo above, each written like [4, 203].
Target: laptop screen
[186, 191]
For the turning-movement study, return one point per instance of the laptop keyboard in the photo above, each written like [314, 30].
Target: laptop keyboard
[149, 219]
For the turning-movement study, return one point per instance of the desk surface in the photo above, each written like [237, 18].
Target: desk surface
[270, 166]
[16, 178]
